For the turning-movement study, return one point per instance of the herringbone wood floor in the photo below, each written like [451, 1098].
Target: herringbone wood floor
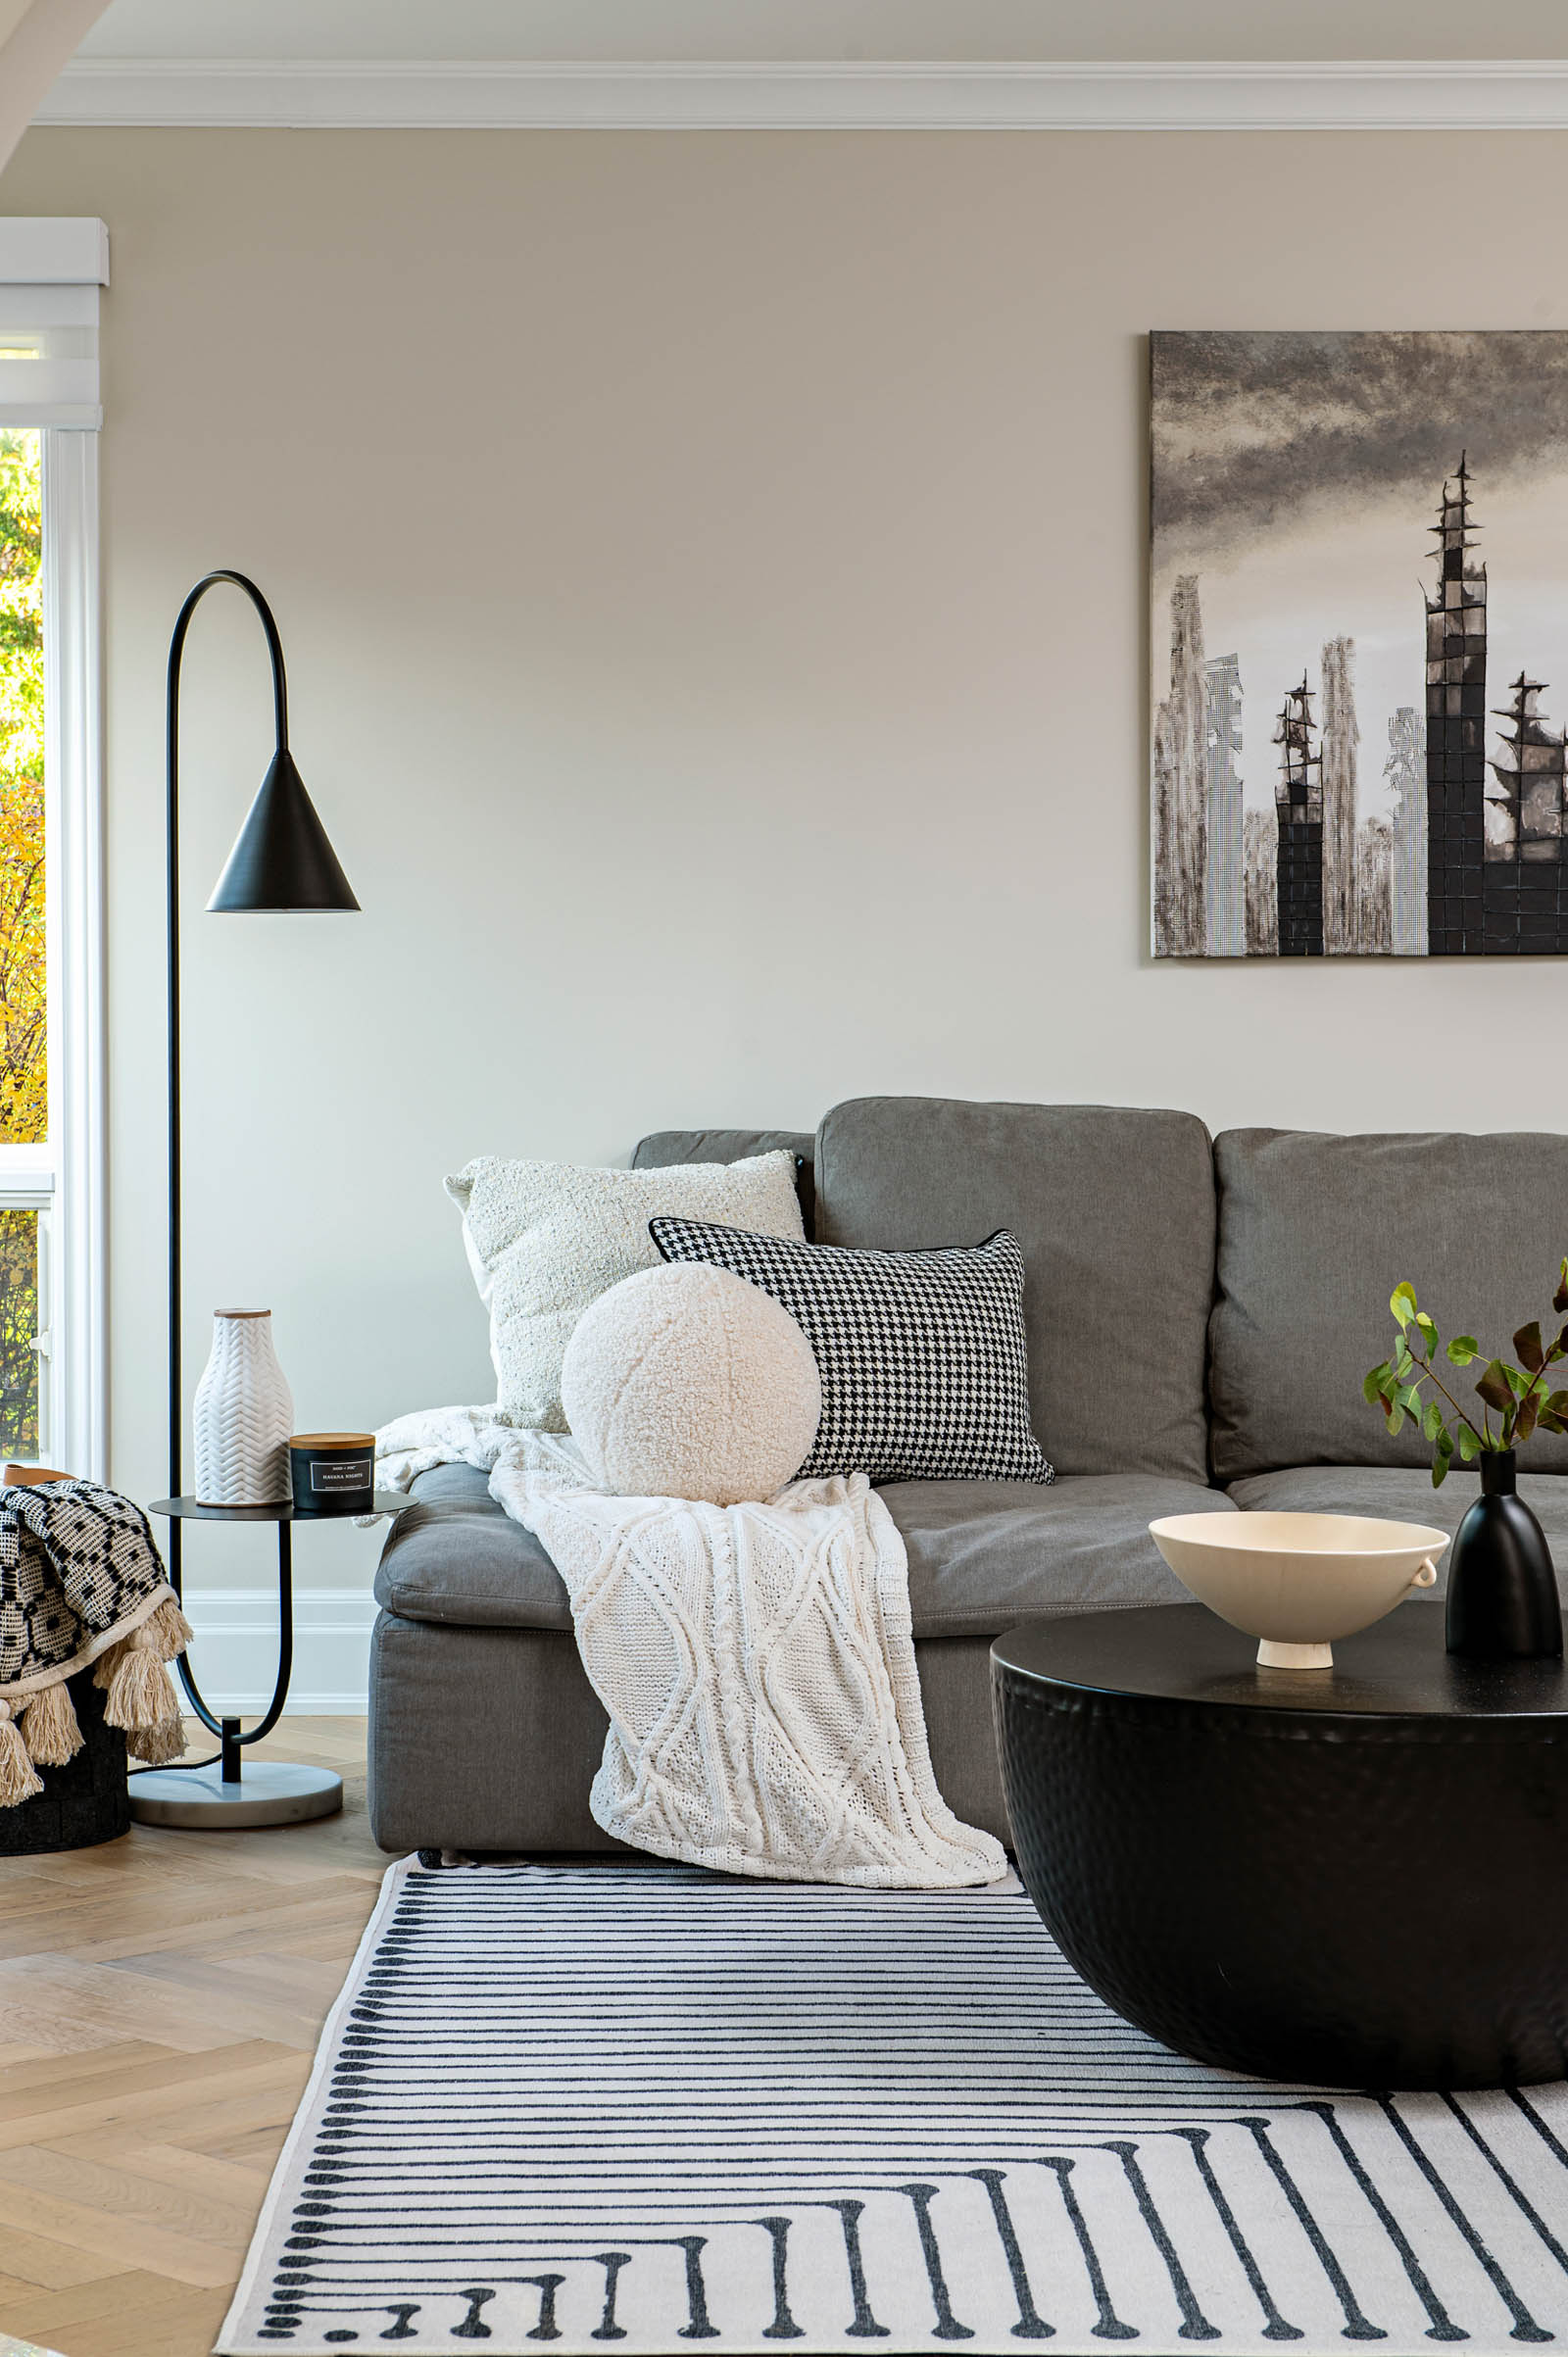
[160, 2001]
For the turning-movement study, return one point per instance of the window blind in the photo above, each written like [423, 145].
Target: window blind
[50, 274]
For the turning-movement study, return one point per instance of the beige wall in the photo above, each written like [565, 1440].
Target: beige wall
[712, 570]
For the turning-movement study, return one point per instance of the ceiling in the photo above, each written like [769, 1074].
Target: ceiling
[760, 30]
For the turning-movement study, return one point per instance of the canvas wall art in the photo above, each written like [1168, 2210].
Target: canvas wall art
[1359, 582]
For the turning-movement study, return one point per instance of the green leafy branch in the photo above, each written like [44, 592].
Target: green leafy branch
[1520, 1397]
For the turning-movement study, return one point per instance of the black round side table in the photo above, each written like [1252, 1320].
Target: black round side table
[1354, 1877]
[222, 1795]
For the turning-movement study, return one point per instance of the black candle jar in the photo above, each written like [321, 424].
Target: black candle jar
[334, 1472]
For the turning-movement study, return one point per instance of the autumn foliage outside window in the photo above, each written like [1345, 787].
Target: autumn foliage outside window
[24, 1071]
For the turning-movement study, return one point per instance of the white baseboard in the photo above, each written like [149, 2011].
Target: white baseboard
[235, 1653]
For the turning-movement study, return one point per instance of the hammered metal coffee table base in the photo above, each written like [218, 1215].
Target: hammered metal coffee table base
[1354, 1877]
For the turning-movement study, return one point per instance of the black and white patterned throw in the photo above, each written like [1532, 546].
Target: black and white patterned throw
[81, 1583]
[924, 1366]
[79, 1569]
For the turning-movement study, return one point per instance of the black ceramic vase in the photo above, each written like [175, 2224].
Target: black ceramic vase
[1503, 1592]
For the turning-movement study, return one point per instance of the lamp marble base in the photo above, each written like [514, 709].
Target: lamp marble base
[271, 1792]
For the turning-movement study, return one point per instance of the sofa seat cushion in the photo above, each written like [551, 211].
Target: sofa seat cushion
[455, 1556]
[986, 1555]
[1402, 1495]
[983, 1554]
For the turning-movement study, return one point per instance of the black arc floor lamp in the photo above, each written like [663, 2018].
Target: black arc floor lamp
[282, 862]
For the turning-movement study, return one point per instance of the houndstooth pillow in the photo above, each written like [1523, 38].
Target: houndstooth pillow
[925, 1372]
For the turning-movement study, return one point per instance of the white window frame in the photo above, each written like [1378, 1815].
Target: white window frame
[65, 1180]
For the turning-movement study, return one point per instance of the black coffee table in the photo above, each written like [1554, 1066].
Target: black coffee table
[1354, 1877]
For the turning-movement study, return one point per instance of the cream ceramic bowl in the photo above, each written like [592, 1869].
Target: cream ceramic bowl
[1298, 1581]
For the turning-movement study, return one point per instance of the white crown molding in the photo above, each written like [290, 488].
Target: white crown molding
[1340, 94]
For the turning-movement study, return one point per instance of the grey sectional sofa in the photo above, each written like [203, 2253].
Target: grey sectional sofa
[1201, 1312]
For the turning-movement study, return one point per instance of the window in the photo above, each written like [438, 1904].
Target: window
[52, 1361]
[24, 1403]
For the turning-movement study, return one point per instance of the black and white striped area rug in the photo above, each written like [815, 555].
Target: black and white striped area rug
[640, 2106]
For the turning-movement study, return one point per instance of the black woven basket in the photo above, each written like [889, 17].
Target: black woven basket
[84, 1802]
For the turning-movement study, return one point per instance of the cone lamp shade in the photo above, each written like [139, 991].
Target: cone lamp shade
[282, 859]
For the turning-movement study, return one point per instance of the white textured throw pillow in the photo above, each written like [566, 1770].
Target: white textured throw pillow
[546, 1239]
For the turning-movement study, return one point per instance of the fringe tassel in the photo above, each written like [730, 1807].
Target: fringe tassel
[141, 1699]
[161, 1635]
[19, 1779]
[141, 1693]
[165, 1631]
[158, 1745]
[49, 1726]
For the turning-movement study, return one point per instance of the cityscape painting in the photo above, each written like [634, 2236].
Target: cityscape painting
[1360, 585]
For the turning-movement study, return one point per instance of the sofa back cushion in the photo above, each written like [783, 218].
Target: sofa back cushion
[1314, 1233]
[1114, 1210]
[667, 1146]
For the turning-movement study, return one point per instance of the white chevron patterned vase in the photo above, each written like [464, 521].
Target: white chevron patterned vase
[244, 1414]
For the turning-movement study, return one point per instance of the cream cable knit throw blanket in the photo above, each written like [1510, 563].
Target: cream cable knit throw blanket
[757, 1663]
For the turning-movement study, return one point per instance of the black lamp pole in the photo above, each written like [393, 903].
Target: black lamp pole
[282, 861]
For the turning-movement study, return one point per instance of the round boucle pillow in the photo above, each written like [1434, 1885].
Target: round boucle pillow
[690, 1382]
